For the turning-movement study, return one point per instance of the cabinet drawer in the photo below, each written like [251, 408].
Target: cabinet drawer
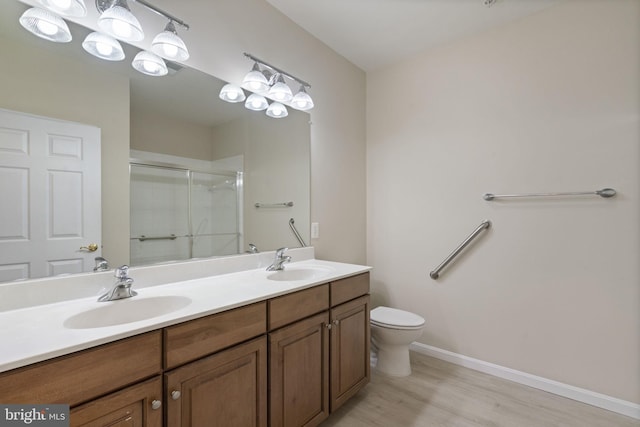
[298, 305]
[192, 340]
[349, 288]
[82, 376]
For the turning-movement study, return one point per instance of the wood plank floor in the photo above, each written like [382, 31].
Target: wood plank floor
[439, 393]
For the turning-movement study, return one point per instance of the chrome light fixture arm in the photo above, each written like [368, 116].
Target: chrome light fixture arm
[103, 5]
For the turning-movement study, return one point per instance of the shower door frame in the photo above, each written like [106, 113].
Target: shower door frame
[239, 180]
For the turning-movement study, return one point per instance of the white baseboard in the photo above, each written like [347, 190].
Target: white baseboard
[603, 401]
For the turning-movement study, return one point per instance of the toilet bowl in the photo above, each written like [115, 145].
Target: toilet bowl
[392, 331]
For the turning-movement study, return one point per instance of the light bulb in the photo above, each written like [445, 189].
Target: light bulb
[47, 28]
[121, 29]
[104, 49]
[150, 67]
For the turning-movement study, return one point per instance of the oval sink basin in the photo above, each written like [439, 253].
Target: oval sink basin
[126, 311]
[293, 274]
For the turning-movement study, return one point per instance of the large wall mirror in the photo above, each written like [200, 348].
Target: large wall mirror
[164, 141]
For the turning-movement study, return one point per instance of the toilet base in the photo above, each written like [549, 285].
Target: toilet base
[394, 360]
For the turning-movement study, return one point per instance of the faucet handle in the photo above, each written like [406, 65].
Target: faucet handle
[122, 272]
[280, 252]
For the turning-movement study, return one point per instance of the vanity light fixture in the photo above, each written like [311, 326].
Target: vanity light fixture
[301, 100]
[266, 80]
[150, 64]
[277, 110]
[118, 21]
[169, 45]
[280, 91]
[256, 102]
[75, 8]
[46, 25]
[255, 80]
[232, 93]
[103, 46]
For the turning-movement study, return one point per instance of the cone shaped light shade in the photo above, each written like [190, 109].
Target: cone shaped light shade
[46, 25]
[277, 110]
[66, 7]
[150, 64]
[232, 93]
[256, 102]
[119, 22]
[168, 45]
[103, 46]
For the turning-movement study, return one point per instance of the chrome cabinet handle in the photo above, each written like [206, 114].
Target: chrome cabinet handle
[328, 325]
[175, 395]
[336, 322]
[156, 404]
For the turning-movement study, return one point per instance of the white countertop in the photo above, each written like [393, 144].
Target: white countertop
[37, 333]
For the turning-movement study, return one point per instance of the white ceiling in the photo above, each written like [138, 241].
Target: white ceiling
[375, 33]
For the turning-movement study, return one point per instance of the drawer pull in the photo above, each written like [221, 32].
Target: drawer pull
[156, 404]
[328, 325]
[336, 322]
[175, 395]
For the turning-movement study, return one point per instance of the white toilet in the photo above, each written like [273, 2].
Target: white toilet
[392, 331]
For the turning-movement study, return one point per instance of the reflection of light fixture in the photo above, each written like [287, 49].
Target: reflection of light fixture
[103, 46]
[280, 91]
[150, 64]
[232, 93]
[256, 102]
[255, 80]
[46, 25]
[118, 21]
[301, 100]
[169, 45]
[66, 7]
[266, 80]
[277, 110]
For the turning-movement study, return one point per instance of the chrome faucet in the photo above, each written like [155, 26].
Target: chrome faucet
[122, 288]
[281, 258]
[253, 249]
[101, 264]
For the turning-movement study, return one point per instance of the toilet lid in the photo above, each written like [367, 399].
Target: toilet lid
[394, 317]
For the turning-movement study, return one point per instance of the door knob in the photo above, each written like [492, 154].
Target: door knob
[92, 247]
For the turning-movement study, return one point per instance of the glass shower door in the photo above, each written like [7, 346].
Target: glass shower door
[159, 214]
[215, 214]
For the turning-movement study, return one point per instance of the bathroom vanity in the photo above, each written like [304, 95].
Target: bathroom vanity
[288, 355]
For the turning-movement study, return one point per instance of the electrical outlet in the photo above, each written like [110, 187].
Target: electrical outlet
[315, 230]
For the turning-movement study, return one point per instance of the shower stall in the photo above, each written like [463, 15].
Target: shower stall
[178, 213]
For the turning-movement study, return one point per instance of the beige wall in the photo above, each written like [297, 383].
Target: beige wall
[41, 82]
[158, 133]
[547, 103]
[265, 143]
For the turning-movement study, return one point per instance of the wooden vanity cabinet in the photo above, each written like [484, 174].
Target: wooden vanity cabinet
[350, 366]
[226, 389]
[225, 383]
[288, 361]
[139, 405]
[319, 353]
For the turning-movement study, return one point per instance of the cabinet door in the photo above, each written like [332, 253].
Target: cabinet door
[350, 366]
[227, 389]
[135, 406]
[299, 367]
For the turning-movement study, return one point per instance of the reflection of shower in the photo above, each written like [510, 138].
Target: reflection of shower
[226, 185]
[200, 210]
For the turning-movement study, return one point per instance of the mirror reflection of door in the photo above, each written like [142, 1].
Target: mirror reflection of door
[50, 221]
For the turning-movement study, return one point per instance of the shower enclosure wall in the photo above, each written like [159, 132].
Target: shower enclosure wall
[179, 213]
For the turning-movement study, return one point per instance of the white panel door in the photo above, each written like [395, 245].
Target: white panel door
[49, 195]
